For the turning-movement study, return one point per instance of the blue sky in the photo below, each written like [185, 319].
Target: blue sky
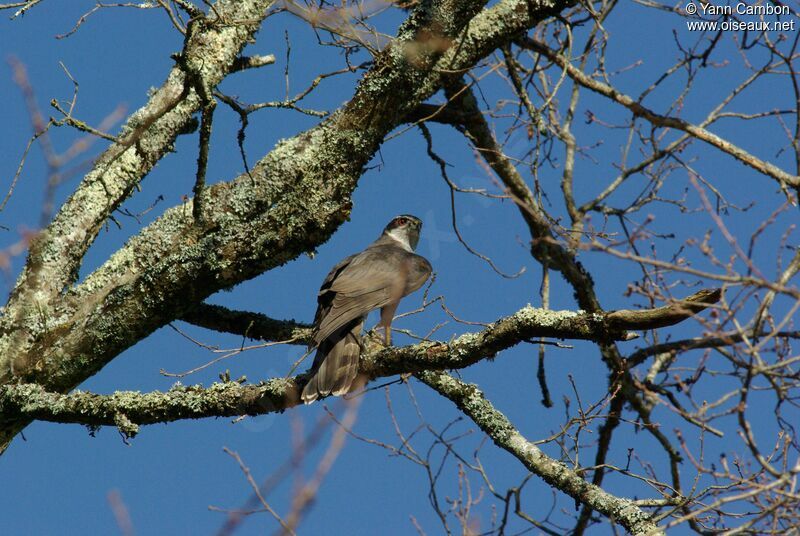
[57, 480]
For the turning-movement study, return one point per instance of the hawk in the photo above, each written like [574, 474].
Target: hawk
[378, 277]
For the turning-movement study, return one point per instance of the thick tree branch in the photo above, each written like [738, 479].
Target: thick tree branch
[290, 202]
[248, 324]
[129, 409]
[56, 253]
[526, 324]
[471, 401]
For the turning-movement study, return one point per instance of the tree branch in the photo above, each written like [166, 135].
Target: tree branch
[252, 62]
[56, 253]
[248, 324]
[663, 121]
[667, 315]
[544, 246]
[289, 204]
[553, 253]
[126, 410]
[471, 401]
[717, 341]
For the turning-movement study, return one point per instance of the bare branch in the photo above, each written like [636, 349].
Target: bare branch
[639, 110]
[469, 399]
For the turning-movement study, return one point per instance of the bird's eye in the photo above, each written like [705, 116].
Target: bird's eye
[402, 221]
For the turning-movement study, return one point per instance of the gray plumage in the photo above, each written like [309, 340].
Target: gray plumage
[377, 278]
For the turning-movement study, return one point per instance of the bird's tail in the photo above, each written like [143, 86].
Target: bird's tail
[336, 364]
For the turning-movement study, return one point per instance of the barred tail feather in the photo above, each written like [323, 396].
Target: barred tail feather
[335, 365]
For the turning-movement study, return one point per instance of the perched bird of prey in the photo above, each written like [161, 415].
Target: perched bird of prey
[378, 277]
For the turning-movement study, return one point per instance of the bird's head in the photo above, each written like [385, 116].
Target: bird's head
[404, 228]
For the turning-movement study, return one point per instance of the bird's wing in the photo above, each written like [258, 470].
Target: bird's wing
[373, 278]
[326, 295]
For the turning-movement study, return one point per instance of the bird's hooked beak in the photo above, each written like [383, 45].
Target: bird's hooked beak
[414, 230]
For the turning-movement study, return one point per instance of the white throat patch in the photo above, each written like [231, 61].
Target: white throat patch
[401, 238]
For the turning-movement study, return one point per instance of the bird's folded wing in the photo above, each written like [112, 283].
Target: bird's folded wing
[345, 308]
[371, 280]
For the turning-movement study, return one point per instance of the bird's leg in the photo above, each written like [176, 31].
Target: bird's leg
[387, 315]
